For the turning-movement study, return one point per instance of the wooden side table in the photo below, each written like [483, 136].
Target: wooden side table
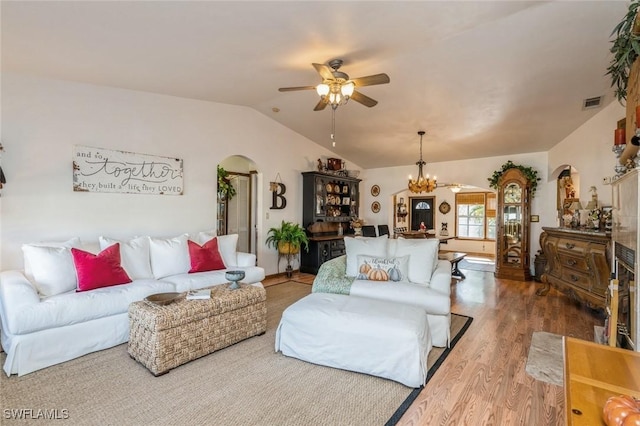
[454, 258]
[592, 374]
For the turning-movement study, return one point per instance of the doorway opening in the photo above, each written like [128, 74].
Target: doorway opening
[237, 214]
[421, 213]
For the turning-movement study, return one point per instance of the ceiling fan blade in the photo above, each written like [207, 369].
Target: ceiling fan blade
[363, 99]
[291, 89]
[322, 104]
[325, 72]
[371, 80]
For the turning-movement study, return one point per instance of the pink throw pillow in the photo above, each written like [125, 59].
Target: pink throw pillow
[206, 257]
[99, 270]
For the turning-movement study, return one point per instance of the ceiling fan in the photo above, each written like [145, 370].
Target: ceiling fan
[336, 87]
[454, 187]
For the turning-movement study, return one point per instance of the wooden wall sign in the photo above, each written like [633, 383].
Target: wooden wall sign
[278, 202]
[105, 170]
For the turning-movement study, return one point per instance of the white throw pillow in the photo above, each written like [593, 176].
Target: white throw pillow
[370, 246]
[134, 256]
[50, 266]
[169, 256]
[422, 253]
[227, 246]
[73, 242]
[383, 268]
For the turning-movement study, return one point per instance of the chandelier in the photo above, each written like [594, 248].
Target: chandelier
[422, 184]
[336, 92]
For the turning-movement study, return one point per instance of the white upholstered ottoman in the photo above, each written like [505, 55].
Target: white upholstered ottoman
[380, 338]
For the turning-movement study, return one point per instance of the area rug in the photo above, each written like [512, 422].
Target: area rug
[545, 358]
[245, 384]
[473, 263]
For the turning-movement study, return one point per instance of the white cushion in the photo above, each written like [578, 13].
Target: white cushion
[432, 301]
[169, 256]
[227, 246]
[185, 282]
[134, 256]
[371, 246]
[370, 336]
[51, 267]
[73, 242]
[72, 308]
[422, 257]
[383, 268]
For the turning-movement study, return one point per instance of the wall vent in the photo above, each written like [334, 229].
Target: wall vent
[592, 103]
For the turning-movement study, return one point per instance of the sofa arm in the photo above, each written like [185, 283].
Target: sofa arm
[246, 259]
[441, 277]
[16, 295]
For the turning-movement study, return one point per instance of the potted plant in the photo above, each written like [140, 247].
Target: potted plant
[625, 50]
[288, 238]
[226, 191]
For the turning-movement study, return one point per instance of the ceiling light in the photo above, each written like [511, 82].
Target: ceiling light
[337, 92]
[455, 188]
[422, 184]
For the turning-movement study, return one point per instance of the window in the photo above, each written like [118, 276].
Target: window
[476, 215]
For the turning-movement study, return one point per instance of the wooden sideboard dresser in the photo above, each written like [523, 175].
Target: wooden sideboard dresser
[578, 264]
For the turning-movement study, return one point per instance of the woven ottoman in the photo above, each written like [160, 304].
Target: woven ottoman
[384, 339]
[164, 337]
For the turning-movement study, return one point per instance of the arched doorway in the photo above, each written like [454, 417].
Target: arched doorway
[237, 214]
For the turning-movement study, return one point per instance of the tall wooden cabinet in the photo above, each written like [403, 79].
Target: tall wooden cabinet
[512, 240]
[328, 204]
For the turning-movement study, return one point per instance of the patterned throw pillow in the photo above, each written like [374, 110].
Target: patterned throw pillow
[382, 269]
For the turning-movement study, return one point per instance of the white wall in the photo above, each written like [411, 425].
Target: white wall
[588, 150]
[43, 119]
[470, 172]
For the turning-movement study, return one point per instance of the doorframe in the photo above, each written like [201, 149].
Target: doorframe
[432, 200]
[251, 207]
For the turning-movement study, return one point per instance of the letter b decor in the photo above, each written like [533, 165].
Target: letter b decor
[278, 202]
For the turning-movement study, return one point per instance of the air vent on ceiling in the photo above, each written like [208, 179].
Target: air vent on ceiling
[592, 102]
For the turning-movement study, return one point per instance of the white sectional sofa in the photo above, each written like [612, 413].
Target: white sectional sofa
[45, 321]
[405, 271]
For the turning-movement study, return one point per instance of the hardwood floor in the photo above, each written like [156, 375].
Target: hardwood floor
[483, 381]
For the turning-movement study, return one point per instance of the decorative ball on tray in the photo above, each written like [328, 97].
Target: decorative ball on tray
[233, 277]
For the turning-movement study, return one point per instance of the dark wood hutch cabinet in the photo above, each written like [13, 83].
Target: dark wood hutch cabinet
[512, 242]
[328, 204]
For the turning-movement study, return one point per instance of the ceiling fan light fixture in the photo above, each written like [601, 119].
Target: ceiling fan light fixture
[455, 188]
[322, 89]
[422, 183]
[347, 89]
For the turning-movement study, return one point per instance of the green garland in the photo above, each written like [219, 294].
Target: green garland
[225, 188]
[625, 50]
[530, 173]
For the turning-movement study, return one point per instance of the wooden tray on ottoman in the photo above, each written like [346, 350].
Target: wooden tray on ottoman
[164, 337]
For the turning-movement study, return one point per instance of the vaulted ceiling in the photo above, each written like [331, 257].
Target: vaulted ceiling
[483, 78]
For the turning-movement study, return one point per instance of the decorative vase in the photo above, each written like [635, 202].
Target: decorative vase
[596, 223]
[234, 277]
[357, 231]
